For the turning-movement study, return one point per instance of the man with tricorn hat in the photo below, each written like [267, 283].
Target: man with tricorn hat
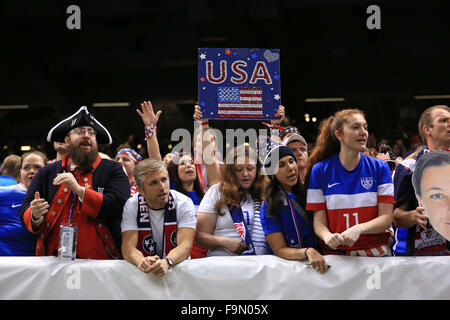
[81, 196]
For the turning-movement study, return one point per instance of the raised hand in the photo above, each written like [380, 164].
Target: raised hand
[280, 113]
[147, 115]
[197, 113]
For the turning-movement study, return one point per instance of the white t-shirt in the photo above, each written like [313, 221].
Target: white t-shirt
[224, 225]
[185, 217]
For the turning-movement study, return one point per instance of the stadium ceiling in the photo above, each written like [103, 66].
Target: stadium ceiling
[129, 51]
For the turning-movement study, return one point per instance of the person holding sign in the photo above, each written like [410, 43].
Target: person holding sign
[350, 194]
[15, 240]
[432, 187]
[413, 235]
[286, 225]
[228, 221]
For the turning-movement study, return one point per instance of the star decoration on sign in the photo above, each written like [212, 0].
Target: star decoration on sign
[203, 56]
[202, 79]
[254, 55]
[228, 52]
[276, 97]
[276, 77]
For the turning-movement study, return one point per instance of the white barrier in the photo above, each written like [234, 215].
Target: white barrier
[224, 278]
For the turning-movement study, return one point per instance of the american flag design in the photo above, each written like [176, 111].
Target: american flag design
[235, 102]
[240, 228]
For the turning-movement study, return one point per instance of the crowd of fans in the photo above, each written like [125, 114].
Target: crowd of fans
[344, 193]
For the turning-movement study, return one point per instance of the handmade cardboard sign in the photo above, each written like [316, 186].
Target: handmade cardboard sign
[239, 83]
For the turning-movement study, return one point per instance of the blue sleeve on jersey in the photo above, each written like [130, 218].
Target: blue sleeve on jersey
[403, 189]
[315, 178]
[384, 173]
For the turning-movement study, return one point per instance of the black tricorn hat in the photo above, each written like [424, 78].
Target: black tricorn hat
[80, 118]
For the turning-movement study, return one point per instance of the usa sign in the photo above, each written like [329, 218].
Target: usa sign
[239, 83]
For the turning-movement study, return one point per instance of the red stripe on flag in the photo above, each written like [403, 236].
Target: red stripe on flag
[239, 109]
[250, 95]
[242, 102]
[232, 115]
[250, 88]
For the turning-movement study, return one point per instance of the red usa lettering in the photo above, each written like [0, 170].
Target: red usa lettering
[239, 74]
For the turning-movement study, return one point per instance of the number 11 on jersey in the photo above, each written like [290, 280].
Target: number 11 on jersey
[347, 219]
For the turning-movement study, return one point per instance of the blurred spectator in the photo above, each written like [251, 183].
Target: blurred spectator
[399, 148]
[10, 170]
[61, 150]
[382, 141]
[371, 141]
[385, 153]
[128, 159]
[167, 158]
[300, 148]
[413, 235]
[15, 240]
[414, 143]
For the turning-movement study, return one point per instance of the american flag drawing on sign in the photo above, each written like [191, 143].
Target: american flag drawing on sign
[235, 102]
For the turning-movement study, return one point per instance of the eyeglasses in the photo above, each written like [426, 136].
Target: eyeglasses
[82, 131]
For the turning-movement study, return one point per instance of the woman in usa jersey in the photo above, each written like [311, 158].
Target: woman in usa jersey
[350, 194]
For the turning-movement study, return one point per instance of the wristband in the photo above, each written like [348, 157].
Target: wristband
[274, 132]
[150, 131]
[204, 124]
[201, 124]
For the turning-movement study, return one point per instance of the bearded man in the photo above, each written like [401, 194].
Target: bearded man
[81, 196]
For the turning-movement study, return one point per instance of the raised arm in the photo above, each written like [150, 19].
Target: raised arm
[150, 120]
[209, 159]
[275, 133]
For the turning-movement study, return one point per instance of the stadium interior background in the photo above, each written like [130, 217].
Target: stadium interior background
[136, 50]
